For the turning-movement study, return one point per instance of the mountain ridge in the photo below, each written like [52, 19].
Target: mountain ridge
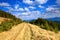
[54, 19]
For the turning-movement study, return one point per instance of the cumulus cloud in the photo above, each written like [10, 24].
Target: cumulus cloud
[34, 2]
[52, 12]
[26, 9]
[15, 8]
[58, 2]
[30, 15]
[31, 7]
[4, 4]
[27, 14]
[50, 8]
[41, 1]
[21, 9]
[40, 6]
[28, 1]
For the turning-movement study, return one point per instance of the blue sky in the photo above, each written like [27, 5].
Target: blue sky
[31, 9]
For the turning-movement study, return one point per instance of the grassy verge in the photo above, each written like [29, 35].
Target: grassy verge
[6, 25]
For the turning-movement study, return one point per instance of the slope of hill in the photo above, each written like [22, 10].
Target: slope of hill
[6, 14]
[7, 24]
[26, 31]
[3, 19]
[45, 24]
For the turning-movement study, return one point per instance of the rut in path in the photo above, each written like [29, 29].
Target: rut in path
[26, 31]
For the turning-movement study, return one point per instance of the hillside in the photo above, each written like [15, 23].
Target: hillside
[7, 20]
[3, 19]
[26, 31]
[45, 24]
[6, 14]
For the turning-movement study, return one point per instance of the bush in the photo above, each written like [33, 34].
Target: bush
[6, 25]
[45, 24]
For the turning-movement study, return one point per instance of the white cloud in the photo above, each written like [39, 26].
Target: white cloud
[13, 9]
[4, 4]
[28, 1]
[21, 9]
[50, 8]
[25, 14]
[31, 7]
[58, 2]
[52, 12]
[41, 6]
[10, 8]
[26, 9]
[41, 1]
[30, 15]
[16, 6]
[35, 2]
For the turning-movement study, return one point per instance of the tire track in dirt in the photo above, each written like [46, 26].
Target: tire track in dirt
[26, 31]
[25, 34]
[41, 34]
[34, 33]
[11, 34]
[19, 31]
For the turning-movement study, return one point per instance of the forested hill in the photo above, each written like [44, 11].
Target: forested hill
[7, 24]
[45, 24]
[6, 14]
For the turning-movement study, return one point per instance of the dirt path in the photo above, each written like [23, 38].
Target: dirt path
[26, 31]
[11, 34]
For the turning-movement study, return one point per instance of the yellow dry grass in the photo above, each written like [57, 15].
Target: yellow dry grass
[3, 19]
[26, 31]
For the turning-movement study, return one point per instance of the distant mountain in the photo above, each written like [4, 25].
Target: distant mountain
[56, 19]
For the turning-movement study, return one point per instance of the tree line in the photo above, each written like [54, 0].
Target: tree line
[8, 24]
[46, 24]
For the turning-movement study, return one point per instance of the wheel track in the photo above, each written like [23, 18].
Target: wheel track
[40, 33]
[11, 34]
[32, 34]
[19, 32]
[26, 31]
[25, 34]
